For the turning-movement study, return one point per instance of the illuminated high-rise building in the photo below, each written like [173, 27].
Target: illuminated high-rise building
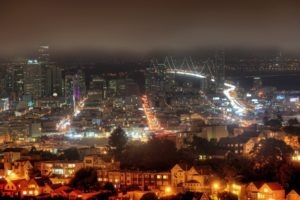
[54, 80]
[98, 87]
[44, 60]
[219, 67]
[74, 87]
[33, 79]
[69, 89]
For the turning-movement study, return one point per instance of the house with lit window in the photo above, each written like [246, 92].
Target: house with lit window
[151, 180]
[271, 190]
[240, 145]
[263, 191]
[198, 179]
[60, 168]
[178, 174]
[194, 179]
[35, 187]
[21, 168]
[96, 161]
[11, 188]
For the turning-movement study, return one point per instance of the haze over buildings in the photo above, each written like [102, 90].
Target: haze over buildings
[143, 26]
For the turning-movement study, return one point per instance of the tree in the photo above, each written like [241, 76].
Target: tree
[149, 196]
[203, 146]
[160, 154]
[227, 196]
[33, 149]
[34, 172]
[156, 154]
[270, 150]
[271, 161]
[110, 187]
[85, 179]
[71, 154]
[117, 142]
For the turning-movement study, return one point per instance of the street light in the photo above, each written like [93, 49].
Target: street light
[216, 186]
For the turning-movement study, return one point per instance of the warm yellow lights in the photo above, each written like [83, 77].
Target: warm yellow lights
[168, 189]
[216, 186]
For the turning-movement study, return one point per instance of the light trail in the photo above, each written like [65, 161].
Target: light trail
[152, 121]
[187, 73]
[64, 124]
[240, 110]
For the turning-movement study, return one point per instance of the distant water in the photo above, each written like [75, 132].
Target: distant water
[284, 82]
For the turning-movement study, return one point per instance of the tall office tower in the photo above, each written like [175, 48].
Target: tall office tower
[155, 78]
[54, 80]
[14, 79]
[75, 87]
[9, 80]
[97, 87]
[44, 59]
[127, 87]
[44, 56]
[81, 84]
[33, 79]
[220, 67]
[19, 80]
[69, 89]
[112, 88]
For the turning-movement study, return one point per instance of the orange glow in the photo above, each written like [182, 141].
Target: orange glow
[152, 121]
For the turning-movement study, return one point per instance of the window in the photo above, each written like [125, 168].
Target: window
[71, 165]
[260, 196]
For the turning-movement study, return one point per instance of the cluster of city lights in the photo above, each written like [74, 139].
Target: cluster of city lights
[238, 108]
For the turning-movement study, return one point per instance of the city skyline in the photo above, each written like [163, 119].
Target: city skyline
[150, 100]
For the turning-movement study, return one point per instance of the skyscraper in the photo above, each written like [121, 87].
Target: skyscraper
[54, 81]
[33, 79]
[74, 87]
[219, 67]
[43, 59]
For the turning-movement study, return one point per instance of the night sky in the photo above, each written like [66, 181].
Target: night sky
[142, 26]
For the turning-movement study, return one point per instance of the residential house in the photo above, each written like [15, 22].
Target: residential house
[21, 168]
[178, 174]
[194, 179]
[263, 191]
[271, 190]
[137, 178]
[198, 179]
[35, 187]
[11, 188]
[241, 144]
[60, 168]
[96, 161]
[293, 195]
